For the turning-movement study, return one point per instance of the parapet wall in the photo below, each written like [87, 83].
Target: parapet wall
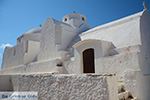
[68, 87]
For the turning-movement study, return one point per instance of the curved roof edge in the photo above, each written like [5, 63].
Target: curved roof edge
[34, 30]
[87, 41]
[74, 14]
[114, 23]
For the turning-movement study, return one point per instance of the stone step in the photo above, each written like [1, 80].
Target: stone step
[121, 87]
[123, 95]
[132, 99]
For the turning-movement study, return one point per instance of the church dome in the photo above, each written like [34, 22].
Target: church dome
[35, 30]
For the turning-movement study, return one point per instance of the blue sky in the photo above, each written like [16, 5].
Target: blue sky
[19, 16]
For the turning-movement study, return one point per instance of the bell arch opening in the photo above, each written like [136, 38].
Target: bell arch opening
[88, 61]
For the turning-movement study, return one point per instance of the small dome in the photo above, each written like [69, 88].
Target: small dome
[35, 30]
[74, 16]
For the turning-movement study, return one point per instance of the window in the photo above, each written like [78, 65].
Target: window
[65, 19]
[83, 18]
[26, 47]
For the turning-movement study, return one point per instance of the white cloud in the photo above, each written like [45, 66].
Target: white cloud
[5, 45]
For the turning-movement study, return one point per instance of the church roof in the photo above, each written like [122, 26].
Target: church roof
[122, 33]
[35, 30]
[74, 14]
[114, 23]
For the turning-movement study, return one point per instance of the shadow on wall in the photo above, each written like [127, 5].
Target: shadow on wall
[6, 83]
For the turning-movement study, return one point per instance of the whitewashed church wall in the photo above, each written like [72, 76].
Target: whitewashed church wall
[49, 66]
[32, 37]
[32, 52]
[13, 56]
[47, 42]
[20, 69]
[118, 64]
[68, 35]
[97, 53]
[144, 58]
[58, 34]
[83, 27]
[112, 80]
[80, 25]
[42, 67]
[129, 49]
[138, 84]
[106, 47]
[100, 50]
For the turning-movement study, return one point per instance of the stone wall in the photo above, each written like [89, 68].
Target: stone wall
[68, 87]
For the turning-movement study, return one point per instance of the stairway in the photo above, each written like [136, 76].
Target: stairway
[123, 94]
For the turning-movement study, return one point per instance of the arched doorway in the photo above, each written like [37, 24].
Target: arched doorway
[88, 61]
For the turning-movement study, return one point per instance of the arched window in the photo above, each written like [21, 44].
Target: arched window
[88, 61]
[65, 19]
[83, 18]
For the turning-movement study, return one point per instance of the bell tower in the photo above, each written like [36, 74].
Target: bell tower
[77, 21]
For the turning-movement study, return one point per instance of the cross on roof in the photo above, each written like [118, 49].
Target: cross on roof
[144, 5]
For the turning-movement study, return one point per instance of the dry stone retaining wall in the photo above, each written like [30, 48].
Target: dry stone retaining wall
[66, 87]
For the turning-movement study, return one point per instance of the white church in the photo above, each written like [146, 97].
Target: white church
[121, 47]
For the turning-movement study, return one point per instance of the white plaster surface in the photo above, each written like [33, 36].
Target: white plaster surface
[138, 84]
[122, 33]
[5, 83]
[13, 56]
[118, 64]
[101, 49]
[31, 37]
[145, 39]
[47, 42]
[23, 53]
[32, 52]
[36, 67]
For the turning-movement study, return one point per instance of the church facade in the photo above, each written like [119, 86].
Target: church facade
[72, 47]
